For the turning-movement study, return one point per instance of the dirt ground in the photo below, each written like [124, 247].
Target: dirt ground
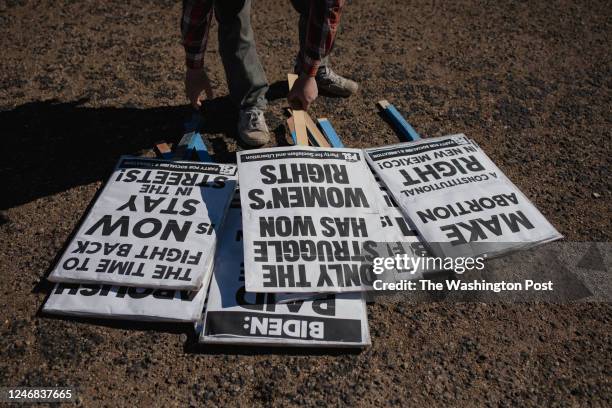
[530, 81]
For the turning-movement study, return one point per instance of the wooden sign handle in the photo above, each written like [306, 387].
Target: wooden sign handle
[331, 134]
[163, 150]
[402, 126]
[298, 117]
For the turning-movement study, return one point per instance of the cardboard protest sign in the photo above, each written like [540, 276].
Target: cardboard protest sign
[458, 199]
[310, 219]
[128, 303]
[152, 226]
[235, 316]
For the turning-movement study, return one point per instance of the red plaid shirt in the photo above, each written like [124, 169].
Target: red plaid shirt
[323, 24]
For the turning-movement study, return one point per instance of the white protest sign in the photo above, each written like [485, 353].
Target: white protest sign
[400, 237]
[128, 303]
[235, 316]
[152, 226]
[310, 218]
[458, 199]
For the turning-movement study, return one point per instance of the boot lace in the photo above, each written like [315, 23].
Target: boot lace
[255, 119]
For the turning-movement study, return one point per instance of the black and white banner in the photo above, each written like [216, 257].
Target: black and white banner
[152, 226]
[235, 316]
[310, 219]
[128, 303]
[458, 199]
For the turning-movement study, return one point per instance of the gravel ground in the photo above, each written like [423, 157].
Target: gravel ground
[84, 82]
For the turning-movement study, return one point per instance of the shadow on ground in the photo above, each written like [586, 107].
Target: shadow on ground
[50, 147]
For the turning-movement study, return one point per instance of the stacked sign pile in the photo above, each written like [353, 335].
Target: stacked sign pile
[146, 248]
[295, 252]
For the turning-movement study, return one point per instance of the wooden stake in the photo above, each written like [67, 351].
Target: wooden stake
[298, 117]
[312, 128]
[402, 126]
[189, 142]
[291, 127]
[163, 150]
[315, 132]
[181, 152]
[197, 144]
[291, 78]
[331, 134]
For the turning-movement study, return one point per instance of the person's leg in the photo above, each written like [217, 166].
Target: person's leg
[245, 76]
[327, 80]
[303, 9]
[246, 79]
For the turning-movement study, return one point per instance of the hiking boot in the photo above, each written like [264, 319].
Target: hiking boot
[252, 128]
[332, 83]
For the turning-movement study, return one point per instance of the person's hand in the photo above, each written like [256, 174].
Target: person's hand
[196, 82]
[303, 93]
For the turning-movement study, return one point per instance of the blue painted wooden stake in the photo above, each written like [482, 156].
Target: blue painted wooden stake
[192, 140]
[330, 133]
[402, 126]
[291, 126]
[198, 145]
